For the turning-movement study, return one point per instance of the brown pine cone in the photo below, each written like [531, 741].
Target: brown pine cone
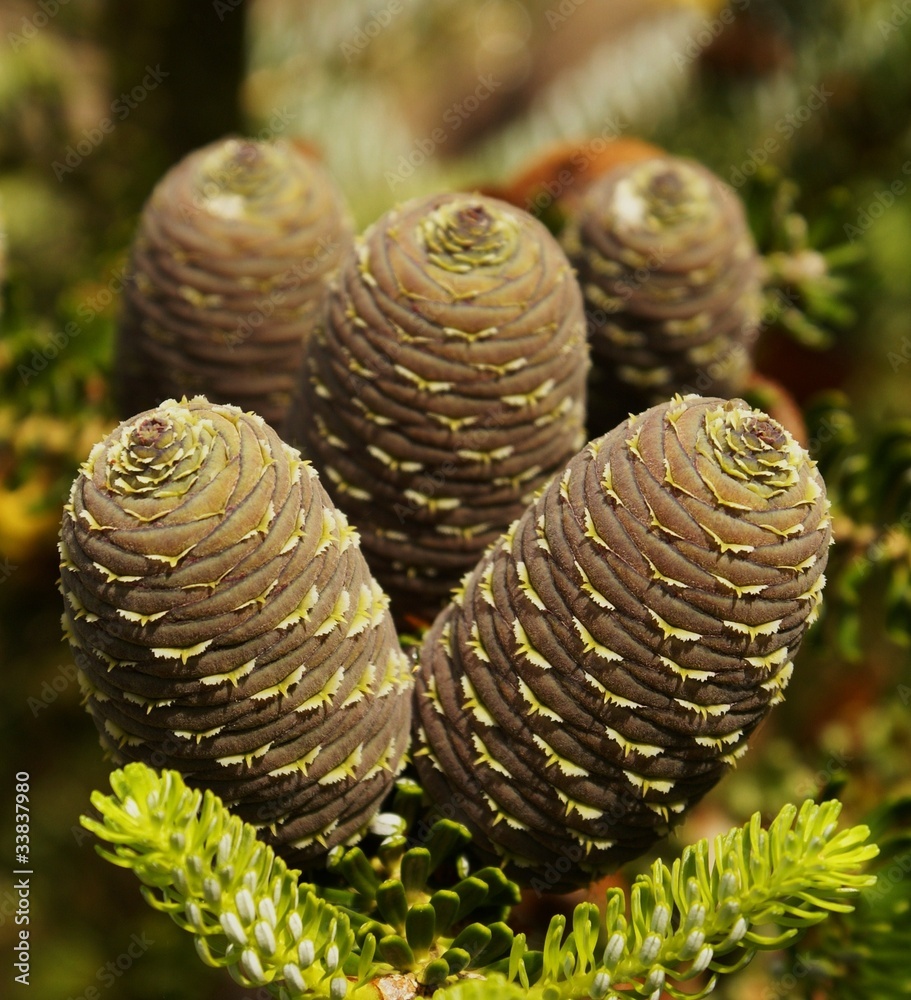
[227, 278]
[225, 624]
[608, 658]
[671, 279]
[449, 385]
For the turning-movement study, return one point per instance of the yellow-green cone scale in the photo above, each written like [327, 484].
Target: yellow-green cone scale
[228, 277]
[448, 386]
[224, 623]
[604, 664]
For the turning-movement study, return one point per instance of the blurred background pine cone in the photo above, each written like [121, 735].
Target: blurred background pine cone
[671, 278]
[449, 385]
[606, 661]
[227, 278]
[224, 623]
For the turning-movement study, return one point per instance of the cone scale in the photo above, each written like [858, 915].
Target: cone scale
[607, 659]
[225, 624]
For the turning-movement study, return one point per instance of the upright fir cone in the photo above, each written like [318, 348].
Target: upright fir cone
[671, 279]
[447, 388]
[606, 661]
[227, 278]
[225, 624]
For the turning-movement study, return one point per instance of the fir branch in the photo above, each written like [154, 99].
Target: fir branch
[682, 920]
[865, 953]
[247, 911]
[206, 869]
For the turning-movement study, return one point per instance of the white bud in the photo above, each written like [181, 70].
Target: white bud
[728, 885]
[600, 985]
[265, 938]
[194, 916]
[695, 917]
[233, 928]
[695, 940]
[267, 911]
[179, 878]
[387, 824]
[702, 960]
[294, 978]
[251, 965]
[660, 919]
[614, 949]
[211, 890]
[650, 948]
[737, 931]
[246, 907]
[306, 953]
[655, 981]
[225, 847]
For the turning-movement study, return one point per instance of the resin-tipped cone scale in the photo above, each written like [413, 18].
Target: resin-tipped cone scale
[606, 661]
[671, 279]
[228, 278]
[225, 624]
[449, 385]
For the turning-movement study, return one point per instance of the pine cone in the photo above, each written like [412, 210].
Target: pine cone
[608, 658]
[448, 387]
[228, 278]
[670, 275]
[225, 624]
